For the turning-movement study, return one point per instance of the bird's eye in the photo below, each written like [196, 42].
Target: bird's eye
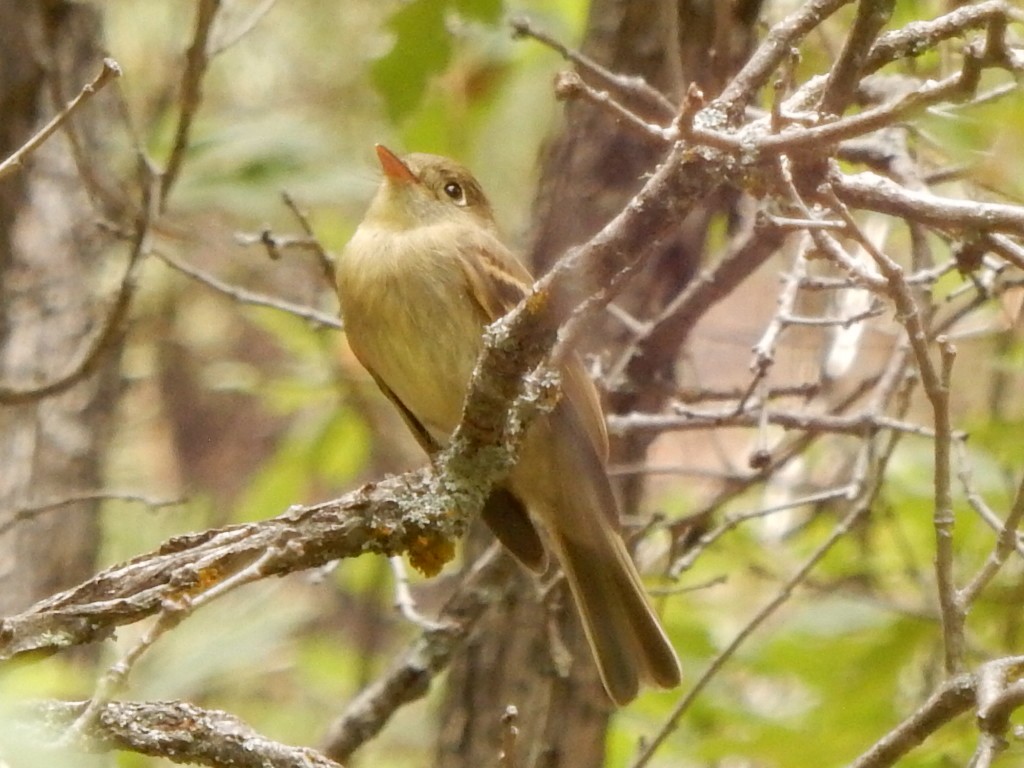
[454, 191]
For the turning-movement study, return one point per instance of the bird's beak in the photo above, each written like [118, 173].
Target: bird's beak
[393, 167]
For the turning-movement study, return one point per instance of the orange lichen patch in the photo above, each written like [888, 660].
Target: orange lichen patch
[205, 578]
[382, 531]
[537, 301]
[429, 553]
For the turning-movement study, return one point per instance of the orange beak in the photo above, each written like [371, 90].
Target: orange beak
[393, 167]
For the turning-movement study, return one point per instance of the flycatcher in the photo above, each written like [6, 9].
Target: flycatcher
[422, 276]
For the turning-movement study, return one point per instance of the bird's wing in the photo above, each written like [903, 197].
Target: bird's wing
[420, 432]
[498, 281]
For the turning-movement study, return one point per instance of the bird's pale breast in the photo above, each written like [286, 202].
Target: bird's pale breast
[407, 320]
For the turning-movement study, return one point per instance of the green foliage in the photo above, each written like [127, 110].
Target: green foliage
[327, 442]
[422, 48]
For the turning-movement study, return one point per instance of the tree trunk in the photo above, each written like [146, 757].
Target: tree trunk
[50, 258]
[590, 170]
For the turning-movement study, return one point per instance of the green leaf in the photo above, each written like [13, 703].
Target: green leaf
[422, 48]
[482, 10]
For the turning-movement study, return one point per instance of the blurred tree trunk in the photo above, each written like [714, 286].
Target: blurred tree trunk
[50, 259]
[589, 172]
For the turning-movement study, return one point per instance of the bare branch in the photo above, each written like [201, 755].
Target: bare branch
[685, 419]
[784, 593]
[633, 88]
[35, 509]
[409, 677]
[245, 296]
[955, 697]
[772, 52]
[569, 85]
[373, 519]
[173, 611]
[876, 193]
[190, 96]
[975, 500]
[324, 258]
[843, 78]
[1006, 544]
[176, 730]
[1000, 693]
[227, 39]
[919, 37]
[111, 71]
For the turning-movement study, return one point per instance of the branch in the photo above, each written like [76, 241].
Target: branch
[862, 424]
[111, 71]
[845, 75]
[37, 508]
[919, 37]
[634, 88]
[936, 384]
[1006, 544]
[175, 730]
[323, 258]
[229, 38]
[955, 697]
[569, 85]
[412, 671]
[245, 296]
[197, 60]
[876, 193]
[857, 511]
[392, 517]
[774, 50]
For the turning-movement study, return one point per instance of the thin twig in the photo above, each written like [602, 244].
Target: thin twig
[954, 698]
[227, 39]
[684, 419]
[764, 349]
[111, 71]
[569, 85]
[173, 611]
[323, 258]
[190, 95]
[733, 521]
[634, 87]
[404, 601]
[783, 594]
[37, 508]
[1007, 542]
[245, 296]
[975, 500]
[412, 670]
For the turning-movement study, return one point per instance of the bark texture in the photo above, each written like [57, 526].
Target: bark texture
[50, 259]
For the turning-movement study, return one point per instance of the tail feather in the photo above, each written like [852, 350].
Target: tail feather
[563, 482]
[625, 636]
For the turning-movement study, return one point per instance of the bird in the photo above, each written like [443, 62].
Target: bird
[424, 273]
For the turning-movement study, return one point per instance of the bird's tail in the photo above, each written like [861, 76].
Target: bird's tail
[624, 633]
[625, 636]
